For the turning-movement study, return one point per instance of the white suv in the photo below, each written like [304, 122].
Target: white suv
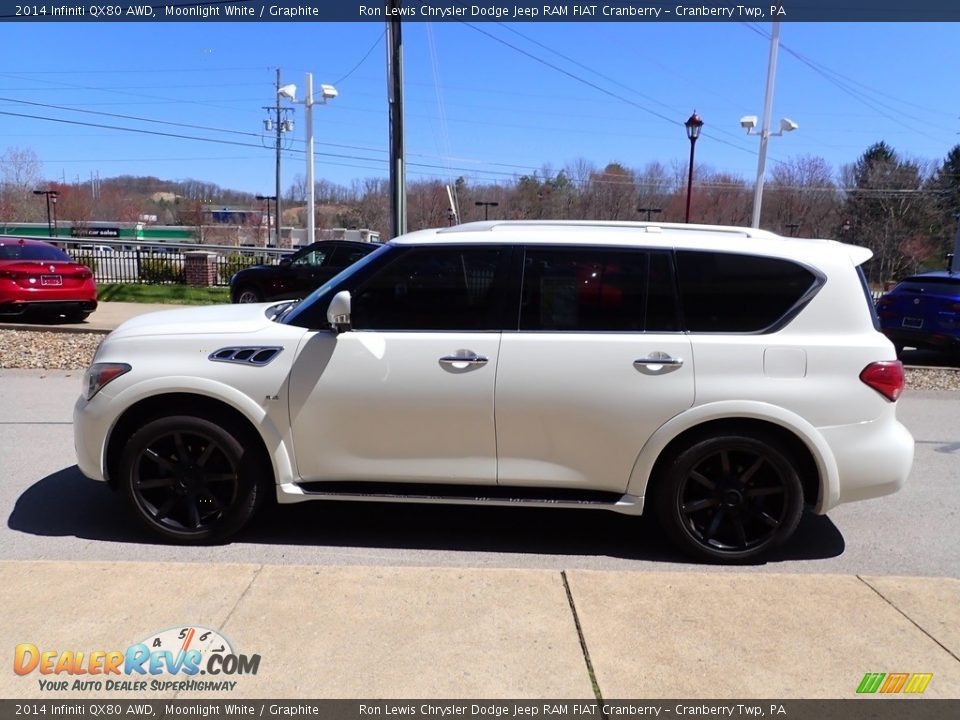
[721, 378]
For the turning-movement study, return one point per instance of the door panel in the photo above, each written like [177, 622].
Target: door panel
[407, 395]
[597, 366]
[573, 410]
[381, 406]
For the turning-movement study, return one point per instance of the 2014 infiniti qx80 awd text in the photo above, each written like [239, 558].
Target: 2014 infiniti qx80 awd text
[721, 378]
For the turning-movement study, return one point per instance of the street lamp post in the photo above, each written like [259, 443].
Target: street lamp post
[486, 205]
[327, 92]
[649, 211]
[51, 194]
[693, 126]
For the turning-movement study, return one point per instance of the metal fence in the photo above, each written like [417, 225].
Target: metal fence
[150, 263]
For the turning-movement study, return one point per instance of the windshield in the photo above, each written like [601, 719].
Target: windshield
[32, 252]
[306, 310]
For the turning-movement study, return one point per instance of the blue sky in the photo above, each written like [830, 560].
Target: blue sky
[475, 106]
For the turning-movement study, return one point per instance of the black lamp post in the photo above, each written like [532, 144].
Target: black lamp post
[50, 194]
[486, 207]
[693, 125]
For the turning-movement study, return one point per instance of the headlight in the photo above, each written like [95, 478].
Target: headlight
[99, 374]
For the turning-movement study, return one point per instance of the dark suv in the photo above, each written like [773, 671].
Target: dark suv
[297, 275]
[923, 311]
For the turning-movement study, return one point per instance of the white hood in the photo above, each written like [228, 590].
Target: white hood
[200, 320]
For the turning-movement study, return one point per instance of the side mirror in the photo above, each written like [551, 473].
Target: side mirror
[338, 313]
[284, 261]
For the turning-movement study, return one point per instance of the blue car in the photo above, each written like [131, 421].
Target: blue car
[923, 311]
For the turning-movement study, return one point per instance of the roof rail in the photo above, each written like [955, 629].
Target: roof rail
[495, 225]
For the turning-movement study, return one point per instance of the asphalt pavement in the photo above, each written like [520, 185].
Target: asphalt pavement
[588, 622]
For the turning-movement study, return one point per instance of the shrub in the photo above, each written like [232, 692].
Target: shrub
[87, 260]
[233, 263]
[153, 270]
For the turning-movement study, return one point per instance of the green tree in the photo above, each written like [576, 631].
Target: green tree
[886, 209]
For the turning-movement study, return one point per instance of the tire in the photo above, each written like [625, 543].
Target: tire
[77, 316]
[249, 294]
[193, 481]
[730, 498]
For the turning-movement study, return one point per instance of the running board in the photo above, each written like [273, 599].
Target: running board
[460, 495]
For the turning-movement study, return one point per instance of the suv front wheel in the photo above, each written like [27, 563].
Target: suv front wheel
[191, 480]
[730, 498]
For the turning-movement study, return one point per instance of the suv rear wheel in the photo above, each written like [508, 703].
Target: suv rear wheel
[730, 498]
[192, 480]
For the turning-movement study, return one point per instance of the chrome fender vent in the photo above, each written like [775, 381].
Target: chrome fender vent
[246, 355]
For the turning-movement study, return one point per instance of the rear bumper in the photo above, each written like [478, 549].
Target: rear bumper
[51, 306]
[873, 459]
[935, 339]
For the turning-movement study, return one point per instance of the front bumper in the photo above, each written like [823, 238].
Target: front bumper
[90, 428]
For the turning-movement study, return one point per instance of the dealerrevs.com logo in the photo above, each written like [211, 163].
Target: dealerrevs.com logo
[171, 660]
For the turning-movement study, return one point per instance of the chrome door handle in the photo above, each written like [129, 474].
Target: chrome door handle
[471, 359]
[658, 358]
[658, 361]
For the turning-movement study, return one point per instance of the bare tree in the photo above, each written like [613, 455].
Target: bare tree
[802, 198]
[20, 177]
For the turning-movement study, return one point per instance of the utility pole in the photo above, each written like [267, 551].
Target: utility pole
[649, 211]
[280, 126]
[398, 183]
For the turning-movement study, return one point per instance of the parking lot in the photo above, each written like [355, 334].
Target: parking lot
[54, 512]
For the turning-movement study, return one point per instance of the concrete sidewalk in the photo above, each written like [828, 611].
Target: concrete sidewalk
[325, 632]
[105, 318]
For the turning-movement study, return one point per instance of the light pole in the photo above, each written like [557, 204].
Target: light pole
[749, 122]
[693, 126]
[327, 92]
[268, 198]
[486, 205]
[650, 211]
[50, 194]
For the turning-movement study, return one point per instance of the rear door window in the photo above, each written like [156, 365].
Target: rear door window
[597, 289]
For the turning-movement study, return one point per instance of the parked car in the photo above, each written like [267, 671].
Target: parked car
[37, 277]
[923, 311]
[297, 275]
[720, 378]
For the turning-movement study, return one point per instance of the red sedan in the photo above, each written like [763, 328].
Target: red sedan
[35, 275]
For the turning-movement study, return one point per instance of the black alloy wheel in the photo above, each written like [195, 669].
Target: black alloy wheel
[731, 498]
[191, 480]
[249, 294]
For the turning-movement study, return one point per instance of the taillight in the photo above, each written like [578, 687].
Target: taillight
[886, 377]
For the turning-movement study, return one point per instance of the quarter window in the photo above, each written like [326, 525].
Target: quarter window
[431, 289]
[731, 292]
